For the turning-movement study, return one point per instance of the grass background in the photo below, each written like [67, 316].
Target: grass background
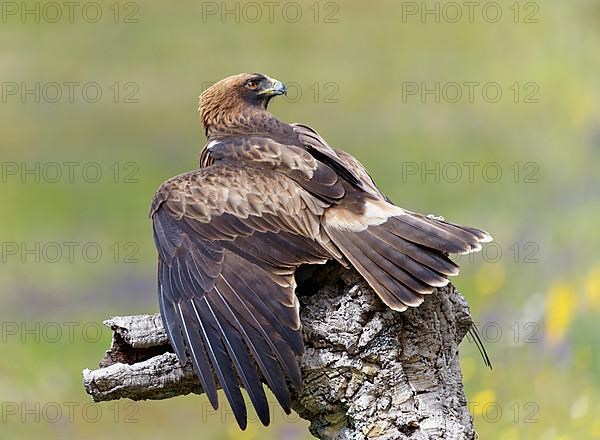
[535, 291]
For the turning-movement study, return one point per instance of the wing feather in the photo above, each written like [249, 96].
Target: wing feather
[258, 337]
[220, 358]
[198, 354]
[229, 239]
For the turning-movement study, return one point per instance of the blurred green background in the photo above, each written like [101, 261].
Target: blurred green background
[377, 79]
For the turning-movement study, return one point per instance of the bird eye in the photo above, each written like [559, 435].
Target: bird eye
[252, 84]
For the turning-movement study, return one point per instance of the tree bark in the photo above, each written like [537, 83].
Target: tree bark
[369, 372]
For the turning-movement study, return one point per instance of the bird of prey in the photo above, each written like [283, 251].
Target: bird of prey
[267, 197]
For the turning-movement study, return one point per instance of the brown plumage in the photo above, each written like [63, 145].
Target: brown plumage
[269, 197]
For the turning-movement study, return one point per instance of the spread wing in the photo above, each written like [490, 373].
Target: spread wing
[229, 239]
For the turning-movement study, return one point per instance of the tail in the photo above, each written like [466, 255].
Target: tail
[402, 255]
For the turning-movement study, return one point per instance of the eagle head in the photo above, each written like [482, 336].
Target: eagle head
[238, 95]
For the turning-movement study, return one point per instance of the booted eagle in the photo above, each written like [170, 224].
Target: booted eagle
[269, 197]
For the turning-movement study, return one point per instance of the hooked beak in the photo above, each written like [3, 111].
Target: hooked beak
[276, 88]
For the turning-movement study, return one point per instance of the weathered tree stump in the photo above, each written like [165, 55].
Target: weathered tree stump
[369, 372]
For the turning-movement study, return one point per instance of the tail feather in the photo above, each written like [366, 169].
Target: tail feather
[395, 294]
[432, 274]
[405, 257]
[434, 234]
[480, 235]
[436, 261]
[394, 271]
[479, 343]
